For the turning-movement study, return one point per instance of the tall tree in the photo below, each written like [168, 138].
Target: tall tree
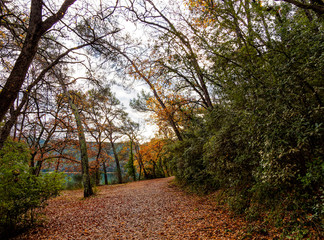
[37, 27]
[130, 129]
[178, 41]
[21, 103]
[95, 121]
[51, 51]
[87, 188]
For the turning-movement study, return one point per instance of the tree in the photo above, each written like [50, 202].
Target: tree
[151, 155]
[130, 129]
[179, 42]
[112, 128]
[82, 141]
[130, 164]
[315, 5]
[147, 76]
[179, 108]
[108, 120]
[50, 54]
[98, 107]
[36, 29]
[261, 64]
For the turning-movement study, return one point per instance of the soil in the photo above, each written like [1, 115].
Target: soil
[151, 209]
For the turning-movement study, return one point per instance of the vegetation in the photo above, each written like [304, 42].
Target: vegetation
[235, 88]
[253, 126]
[22, 194]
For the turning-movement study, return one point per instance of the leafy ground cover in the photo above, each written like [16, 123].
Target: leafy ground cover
[152, 209]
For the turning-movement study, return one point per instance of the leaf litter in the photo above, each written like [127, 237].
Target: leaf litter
[150, 209]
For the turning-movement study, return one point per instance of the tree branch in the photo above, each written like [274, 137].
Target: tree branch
[318, 8]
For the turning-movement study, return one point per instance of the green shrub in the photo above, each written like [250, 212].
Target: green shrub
[21, 192]
[73, 182]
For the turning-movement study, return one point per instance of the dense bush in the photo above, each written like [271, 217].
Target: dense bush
[264, 144]
[21, 192]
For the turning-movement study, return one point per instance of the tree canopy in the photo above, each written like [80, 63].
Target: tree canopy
[234, 87]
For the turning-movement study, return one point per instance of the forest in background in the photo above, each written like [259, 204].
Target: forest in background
[235, 88]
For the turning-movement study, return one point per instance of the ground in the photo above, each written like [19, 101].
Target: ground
[152, 209]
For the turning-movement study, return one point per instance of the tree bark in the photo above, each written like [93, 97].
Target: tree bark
[132, 160]
[87, 191]
[87, 188]
[119, 174]
[37, 28]
[141, 161]
[98, 164]
[105, 173]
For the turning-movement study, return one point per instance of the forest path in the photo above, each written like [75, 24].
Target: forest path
[149, 209]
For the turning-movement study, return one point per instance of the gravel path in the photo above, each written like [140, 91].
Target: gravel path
[142, 210]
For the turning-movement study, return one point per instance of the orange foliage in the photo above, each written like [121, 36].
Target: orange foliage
[151, 152]
[176, 107]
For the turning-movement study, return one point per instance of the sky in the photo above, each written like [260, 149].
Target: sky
[147, 130]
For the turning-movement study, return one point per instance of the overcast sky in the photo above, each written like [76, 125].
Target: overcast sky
[147, 130]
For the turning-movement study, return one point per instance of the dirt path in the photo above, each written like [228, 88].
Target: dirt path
[141, 210]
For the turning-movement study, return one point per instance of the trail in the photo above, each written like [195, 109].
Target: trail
[141, 210]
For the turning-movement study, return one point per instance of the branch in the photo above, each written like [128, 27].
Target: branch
[318, 8]
[49, 22]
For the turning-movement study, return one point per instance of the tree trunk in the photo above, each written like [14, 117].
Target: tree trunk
[98, 165]
[105, 173]
[87, 191]
[38, 167]
[87, 188]
[140, 172]
[57, 168]
[119, 174]
[141, 161]
[36, 29]
[15, 80]
[132, 161]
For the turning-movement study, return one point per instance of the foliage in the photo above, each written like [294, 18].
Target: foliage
[21, 192]
[152, 155]
[262, 142]
[130, 168]
[236, 91]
